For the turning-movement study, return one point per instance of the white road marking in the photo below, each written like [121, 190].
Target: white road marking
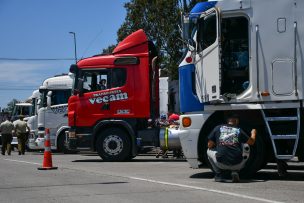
[206, 189]
[178, 185]
[13, 160]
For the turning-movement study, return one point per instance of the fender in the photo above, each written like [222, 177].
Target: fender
[110, 123]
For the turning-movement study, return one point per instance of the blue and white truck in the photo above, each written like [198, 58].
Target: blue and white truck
[244, 57]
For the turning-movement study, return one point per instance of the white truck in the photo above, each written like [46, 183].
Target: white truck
[244, 57]
[34, 142]
[52, 114]
[21, 108]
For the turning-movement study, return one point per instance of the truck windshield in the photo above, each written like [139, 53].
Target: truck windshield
[60, 96]
[25, 110]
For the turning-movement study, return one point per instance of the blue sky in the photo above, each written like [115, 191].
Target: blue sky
[36, 29]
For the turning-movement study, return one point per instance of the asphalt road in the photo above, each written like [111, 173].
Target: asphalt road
[86, 178]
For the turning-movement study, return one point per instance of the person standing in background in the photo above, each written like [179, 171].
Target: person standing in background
[20, 127]
[6, 129]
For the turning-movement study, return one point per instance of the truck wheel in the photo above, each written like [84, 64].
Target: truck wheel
[113, 144]
[256, 158]
[61, 144]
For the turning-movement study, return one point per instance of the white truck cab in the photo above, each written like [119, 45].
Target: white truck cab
[52, 113]
[21, 108]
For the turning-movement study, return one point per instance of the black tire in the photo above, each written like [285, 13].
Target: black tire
[257, 158]
[113, 144]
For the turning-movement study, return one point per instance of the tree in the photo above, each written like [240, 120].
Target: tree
[10, 105]
[109, 49]
[159, 19]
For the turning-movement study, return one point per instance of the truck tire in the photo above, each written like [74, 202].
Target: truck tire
[256, 158]
[113, 144]
[61, 144]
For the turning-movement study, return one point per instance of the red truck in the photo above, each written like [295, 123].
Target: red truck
[115, 102]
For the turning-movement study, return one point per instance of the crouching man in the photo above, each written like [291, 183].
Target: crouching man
[225, 149]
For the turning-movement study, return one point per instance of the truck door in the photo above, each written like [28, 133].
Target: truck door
[93, 104]
[207, 60]
[56, 114]
[105, 95]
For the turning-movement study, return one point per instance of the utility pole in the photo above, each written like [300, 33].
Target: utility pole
[73, 33]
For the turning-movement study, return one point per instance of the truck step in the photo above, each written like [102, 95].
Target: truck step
[285, 157]
[284, 137]
[292, 118]
[287, 118]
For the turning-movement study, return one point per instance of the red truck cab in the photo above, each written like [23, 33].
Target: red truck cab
[113, 99]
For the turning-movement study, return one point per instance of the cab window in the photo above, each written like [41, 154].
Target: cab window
[104, 79]
[206, 31]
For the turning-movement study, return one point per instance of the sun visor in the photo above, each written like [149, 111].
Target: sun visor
[201, 7]
[133, 40]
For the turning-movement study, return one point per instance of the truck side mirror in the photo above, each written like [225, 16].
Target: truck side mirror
[49, 99]
[38, 105]
[191, 45]
[80, 86]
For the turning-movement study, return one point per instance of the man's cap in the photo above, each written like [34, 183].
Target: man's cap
[174, 117]
[233, 115]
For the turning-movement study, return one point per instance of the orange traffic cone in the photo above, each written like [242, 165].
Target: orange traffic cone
[47, 160]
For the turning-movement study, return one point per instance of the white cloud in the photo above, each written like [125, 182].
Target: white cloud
[23, 73]
[18, 79]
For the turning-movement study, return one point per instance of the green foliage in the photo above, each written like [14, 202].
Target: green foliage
[109, 49]
[160, 20]
[10, 105]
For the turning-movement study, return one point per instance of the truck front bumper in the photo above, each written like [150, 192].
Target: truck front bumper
[189, 146]
[189, 136]
[36, 143]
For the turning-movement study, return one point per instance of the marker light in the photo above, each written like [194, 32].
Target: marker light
[265, 94]
[186, 121]
[189, 59]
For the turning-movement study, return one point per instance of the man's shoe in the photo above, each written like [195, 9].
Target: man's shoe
[282, 168]
[219, 177]
[282, 172]
[19, 153]
[235, 177]
[3, 153]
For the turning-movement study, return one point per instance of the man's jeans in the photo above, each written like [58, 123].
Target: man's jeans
[217, 166]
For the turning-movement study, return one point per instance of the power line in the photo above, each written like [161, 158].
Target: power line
[93, 40]
[21, 89]
[36, 59]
